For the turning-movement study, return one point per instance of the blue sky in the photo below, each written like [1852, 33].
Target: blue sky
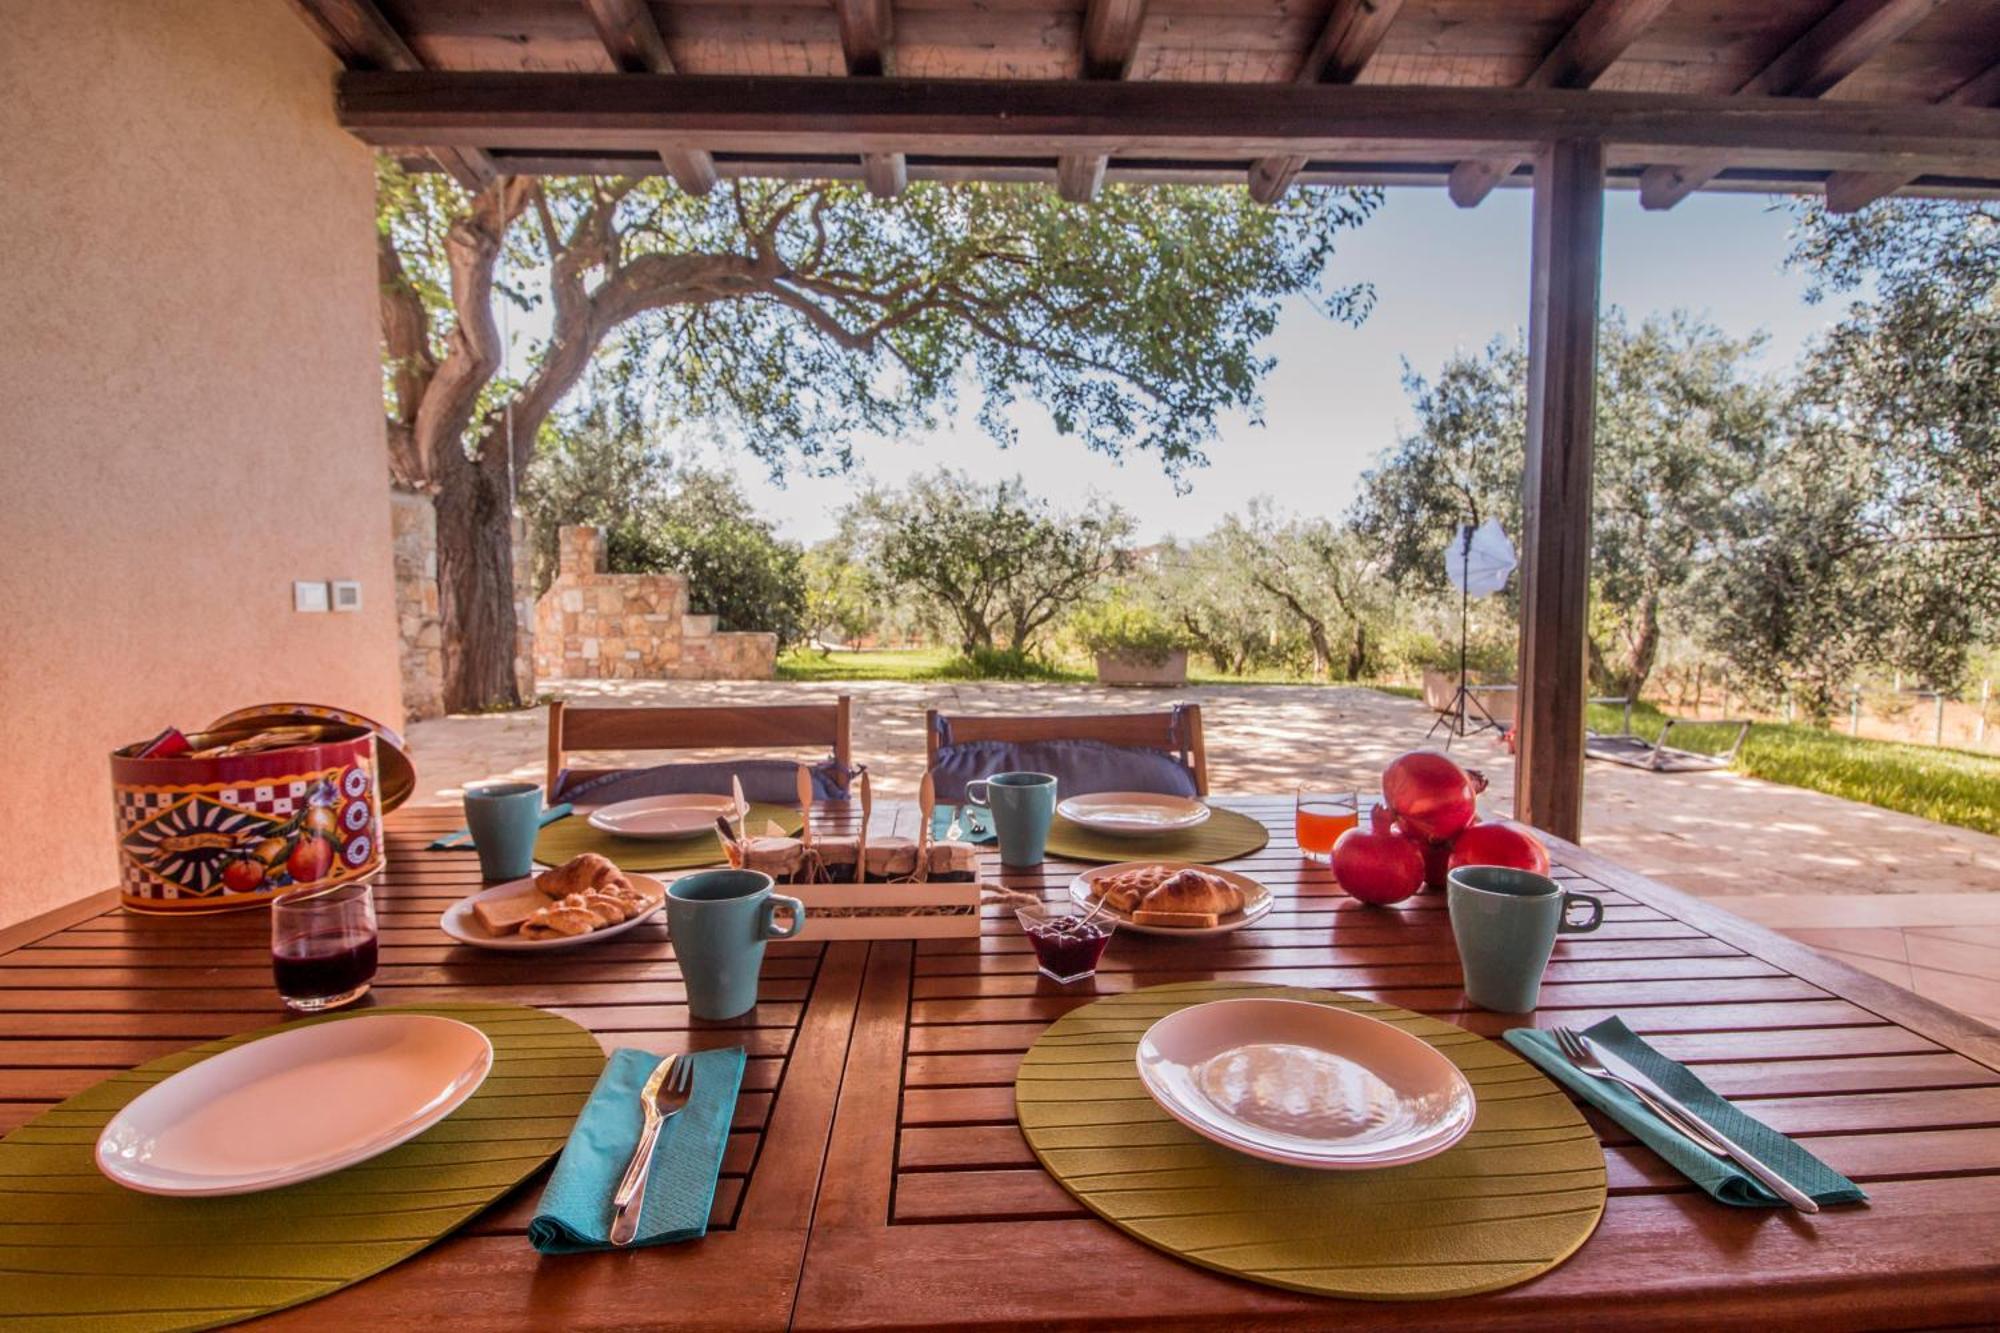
[1445, 279]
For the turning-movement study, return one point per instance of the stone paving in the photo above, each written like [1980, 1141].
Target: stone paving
[1902, 897]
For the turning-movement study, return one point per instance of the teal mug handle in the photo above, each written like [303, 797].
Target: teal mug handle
[1569, 927]
[793, 905]
[980, 797]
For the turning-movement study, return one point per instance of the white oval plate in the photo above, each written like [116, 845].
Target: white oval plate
[462, 924]
[1257, 899]
[1133, 814]
[662, 818]
[295, 1105]
[1305, 1084]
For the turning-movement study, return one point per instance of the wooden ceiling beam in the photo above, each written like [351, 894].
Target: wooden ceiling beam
[357, 32]
[632, 39]
[1591, 46]
[867, 36]
[802, 117]
[1347, 41]
[1110, 41]
[1850, 34]
[1852, 191]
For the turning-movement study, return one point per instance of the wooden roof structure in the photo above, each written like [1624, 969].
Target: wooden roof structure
[1856, 98]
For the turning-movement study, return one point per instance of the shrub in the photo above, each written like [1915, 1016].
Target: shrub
[1129, 630]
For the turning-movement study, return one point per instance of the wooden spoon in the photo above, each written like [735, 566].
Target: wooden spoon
[805, 806]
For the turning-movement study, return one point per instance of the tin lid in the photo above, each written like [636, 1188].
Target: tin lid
[398, 775]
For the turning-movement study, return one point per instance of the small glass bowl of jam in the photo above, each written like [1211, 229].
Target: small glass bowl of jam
[1068, 943]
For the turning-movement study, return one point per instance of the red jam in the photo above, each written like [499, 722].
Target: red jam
[1067, 947]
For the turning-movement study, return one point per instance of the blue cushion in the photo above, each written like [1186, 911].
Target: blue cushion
[1080, 767]
[768, 781]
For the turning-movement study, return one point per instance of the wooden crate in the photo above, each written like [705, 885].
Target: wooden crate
[910, 911]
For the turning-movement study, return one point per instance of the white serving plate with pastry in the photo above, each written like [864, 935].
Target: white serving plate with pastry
[296, 1105]
[1133, 814]
[1306, 1084]
[662, 818]
[462, 921]
[1257, 900]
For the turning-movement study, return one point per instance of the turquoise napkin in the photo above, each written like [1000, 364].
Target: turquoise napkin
[463, 838]
[1723, 1179]
[974, 824]
[575, 1212]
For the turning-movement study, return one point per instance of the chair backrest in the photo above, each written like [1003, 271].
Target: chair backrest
[1176, 730]
[730, 727]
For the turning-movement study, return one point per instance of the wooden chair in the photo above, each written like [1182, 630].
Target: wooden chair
[1154, 731]
[774, 726]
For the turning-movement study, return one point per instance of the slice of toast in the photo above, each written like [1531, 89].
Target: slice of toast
[504, 916]
[1184, 920]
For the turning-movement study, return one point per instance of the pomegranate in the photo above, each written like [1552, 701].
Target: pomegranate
[1431, 797]
[1499, 845]
[1376, 864]
[1437, 863]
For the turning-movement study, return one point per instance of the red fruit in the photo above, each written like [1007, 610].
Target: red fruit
[310, 860]
[1437, 863]
[1376, 864]
[1432, 797]
[243, 874]
[1499, 845]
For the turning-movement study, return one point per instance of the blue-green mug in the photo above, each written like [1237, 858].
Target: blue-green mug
[718, 921]
[505, 819]
[1023, 807]
[1506, 922]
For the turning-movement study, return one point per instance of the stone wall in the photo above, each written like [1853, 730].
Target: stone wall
[594, 625]
[414, 534]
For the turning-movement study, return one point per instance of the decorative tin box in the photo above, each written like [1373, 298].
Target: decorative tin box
[234, 831]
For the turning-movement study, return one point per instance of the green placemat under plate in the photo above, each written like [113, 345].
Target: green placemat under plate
[1511, 1200]
[572, 837]
[78, 1252]
[1224, 834]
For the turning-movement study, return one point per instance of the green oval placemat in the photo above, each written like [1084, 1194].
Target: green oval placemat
[1222, 835]
[81, 1253]
[1511, 1200]
[572, 837]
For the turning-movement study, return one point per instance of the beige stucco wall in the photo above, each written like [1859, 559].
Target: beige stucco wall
[189, 401]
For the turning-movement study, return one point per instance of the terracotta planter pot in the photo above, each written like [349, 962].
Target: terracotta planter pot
[1113, 669]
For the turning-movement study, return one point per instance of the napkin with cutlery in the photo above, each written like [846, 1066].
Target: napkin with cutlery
[463, 837]
[975, 825]
[575, 1212]
[1721, 1178]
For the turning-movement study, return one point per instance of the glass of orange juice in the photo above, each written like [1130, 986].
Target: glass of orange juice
[1319, 818]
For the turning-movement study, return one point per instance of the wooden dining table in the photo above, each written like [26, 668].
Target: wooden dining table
[875, 1177]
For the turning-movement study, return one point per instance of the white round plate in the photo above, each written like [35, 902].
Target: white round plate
[1133, 814]
[295, 1105]
[1306, 1084]
[1257, 899]
[462, 923]
[662, 818]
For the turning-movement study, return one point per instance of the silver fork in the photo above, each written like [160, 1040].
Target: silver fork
[663, 1097]
[954, 833]
[1578, 1053]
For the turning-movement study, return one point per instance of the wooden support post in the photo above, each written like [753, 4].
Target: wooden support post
[1562, 400]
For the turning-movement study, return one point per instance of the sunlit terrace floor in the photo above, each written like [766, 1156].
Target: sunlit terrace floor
[1909, 900]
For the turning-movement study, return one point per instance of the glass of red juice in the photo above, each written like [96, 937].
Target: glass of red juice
[323, 946]
[1068, 944]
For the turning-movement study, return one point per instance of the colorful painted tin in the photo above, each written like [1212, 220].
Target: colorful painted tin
[204, 835]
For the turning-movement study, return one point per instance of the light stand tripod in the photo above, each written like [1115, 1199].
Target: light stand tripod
[1459, 718]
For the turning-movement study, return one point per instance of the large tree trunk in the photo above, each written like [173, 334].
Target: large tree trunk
[475, 533]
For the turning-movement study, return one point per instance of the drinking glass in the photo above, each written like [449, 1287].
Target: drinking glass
[323, 946]
[1319, 818]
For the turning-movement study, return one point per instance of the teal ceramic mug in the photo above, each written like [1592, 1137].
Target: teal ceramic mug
[1023, 806]
[719, 921]
[1506, 922]
[505, 819]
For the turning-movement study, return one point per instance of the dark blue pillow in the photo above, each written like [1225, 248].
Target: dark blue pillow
[1080, 767]
[767, 781]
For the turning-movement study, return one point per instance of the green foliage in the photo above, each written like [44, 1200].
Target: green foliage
[602, 468]
[1003, 664]
[995, 563]
[922, 664]
[840, 605]
[1122, 628]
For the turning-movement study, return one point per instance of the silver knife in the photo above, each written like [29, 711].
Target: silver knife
[1771, 1180]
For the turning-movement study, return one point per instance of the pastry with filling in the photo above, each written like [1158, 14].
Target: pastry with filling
[1198, 892]
[1123, 890]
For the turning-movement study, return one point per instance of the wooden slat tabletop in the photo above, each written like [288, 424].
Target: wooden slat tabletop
[876, 1178]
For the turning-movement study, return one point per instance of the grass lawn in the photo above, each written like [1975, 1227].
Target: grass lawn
[1958, 787]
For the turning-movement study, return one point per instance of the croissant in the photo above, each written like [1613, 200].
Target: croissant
[581, 874]
[1194, 891]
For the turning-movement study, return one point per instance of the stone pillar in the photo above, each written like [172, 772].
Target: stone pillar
[413, 534]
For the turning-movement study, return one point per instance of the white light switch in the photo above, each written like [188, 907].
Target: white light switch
[346, 594]
[309, 596]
